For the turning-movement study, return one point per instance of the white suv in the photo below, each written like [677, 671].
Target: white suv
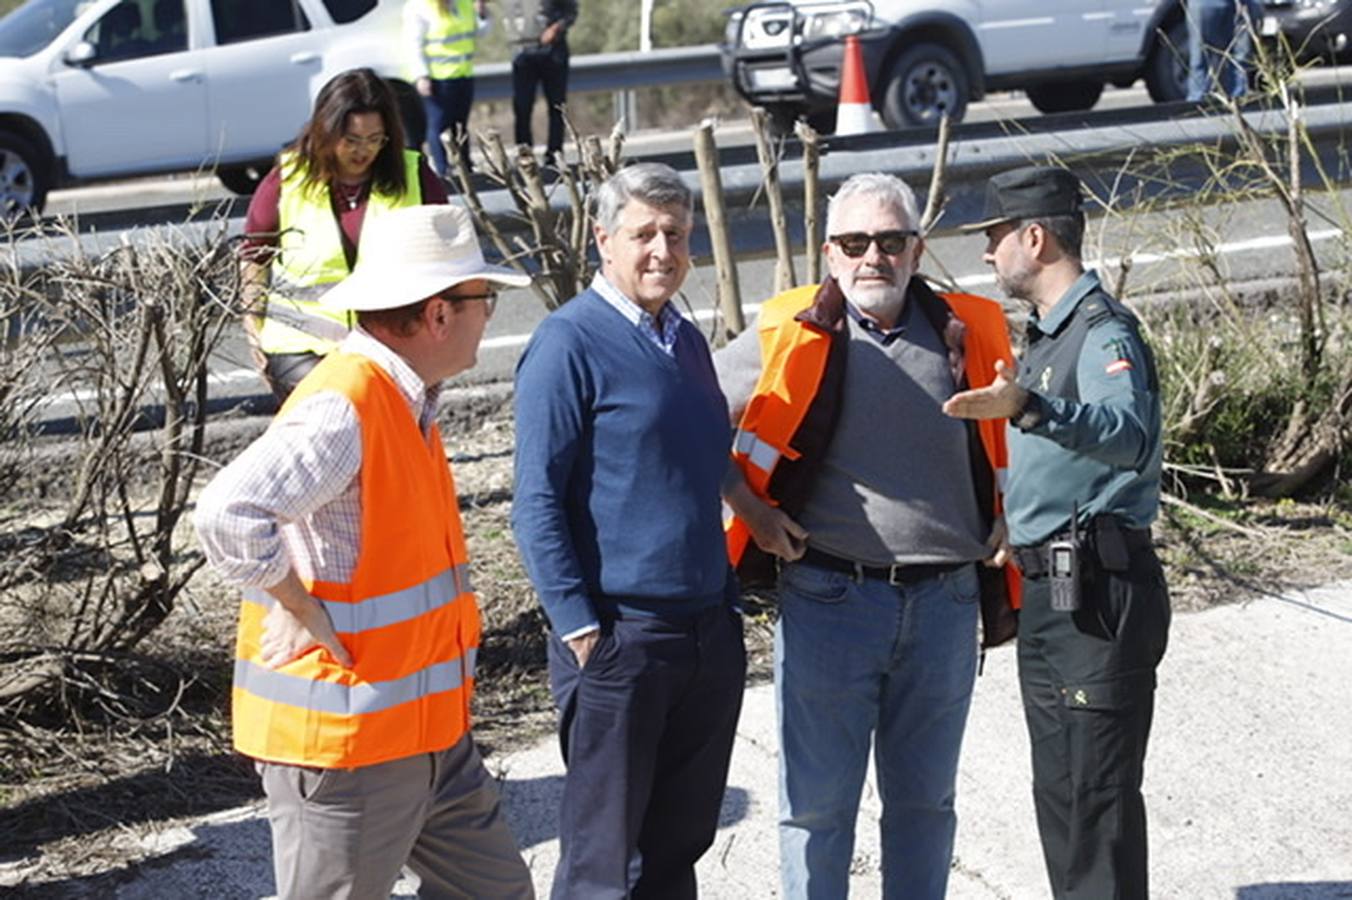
[106, 88]
[928, 57]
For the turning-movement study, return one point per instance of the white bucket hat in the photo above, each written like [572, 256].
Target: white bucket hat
[410, 254]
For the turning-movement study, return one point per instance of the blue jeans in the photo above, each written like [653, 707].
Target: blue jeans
[1220, 46]
[861, 659]
[447, 110]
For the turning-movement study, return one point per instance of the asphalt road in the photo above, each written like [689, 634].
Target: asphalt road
[1250, 239]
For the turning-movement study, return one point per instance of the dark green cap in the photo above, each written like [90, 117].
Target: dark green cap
[1032, 192]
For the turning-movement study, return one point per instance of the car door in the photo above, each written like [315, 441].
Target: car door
[1128, 20]
[259, 75]
[139, 102]
[1027, 36]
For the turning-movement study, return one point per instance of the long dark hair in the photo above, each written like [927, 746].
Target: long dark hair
[353, 91]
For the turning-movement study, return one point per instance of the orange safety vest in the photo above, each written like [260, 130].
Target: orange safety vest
[794, 355]
[407, 616]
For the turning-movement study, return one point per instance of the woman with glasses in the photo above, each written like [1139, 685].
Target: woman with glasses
[303, 228]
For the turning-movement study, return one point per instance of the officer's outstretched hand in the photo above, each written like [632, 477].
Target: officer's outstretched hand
[1001, 399]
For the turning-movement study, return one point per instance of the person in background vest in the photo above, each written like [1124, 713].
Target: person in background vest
[1221, 34]
[359, 629]
[305, 221]
[621, 442]
[440, 35]
[538, 29]
[1085, 455]
[885, 518]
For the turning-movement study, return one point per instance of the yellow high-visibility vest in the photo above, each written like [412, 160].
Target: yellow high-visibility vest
[448, 44]
[310, 260]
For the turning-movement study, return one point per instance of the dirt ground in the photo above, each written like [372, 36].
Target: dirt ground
[149, 742]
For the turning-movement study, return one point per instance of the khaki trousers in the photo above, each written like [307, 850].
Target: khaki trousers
[344, 834]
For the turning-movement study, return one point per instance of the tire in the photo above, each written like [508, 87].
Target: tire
[1166, 68]
[25, 177]
[1065, 96]
[243, 180]
[925, 82]
[411, 114]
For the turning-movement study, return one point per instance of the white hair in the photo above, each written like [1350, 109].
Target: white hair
[886, 189]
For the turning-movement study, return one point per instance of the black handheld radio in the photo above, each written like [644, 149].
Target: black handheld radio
[1063, 566]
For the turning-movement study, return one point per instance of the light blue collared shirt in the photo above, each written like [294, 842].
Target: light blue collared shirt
[660, 329]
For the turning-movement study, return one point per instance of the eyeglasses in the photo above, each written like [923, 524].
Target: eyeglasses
[490, 299]
[856, 243]
[373, 142]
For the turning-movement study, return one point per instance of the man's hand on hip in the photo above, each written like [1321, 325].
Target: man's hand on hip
[998, 544]
[774, 531]
[297, 622]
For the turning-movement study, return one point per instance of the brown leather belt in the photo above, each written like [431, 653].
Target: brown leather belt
[901, 573]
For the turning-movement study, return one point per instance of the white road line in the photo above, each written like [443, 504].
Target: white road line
[509, 341]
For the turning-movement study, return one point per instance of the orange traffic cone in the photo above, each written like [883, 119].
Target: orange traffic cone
[855, 114]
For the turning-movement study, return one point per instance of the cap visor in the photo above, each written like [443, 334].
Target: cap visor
[983, 225]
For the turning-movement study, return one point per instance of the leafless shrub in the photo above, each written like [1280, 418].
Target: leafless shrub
[1257, 402]
[119, 342]
[556, 241]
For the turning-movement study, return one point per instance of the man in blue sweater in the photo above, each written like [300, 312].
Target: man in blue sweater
[622, 440]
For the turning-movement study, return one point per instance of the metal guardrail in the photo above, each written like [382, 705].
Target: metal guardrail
[621, 71]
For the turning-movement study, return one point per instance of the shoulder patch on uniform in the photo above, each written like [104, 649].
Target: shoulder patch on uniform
[1119, 356]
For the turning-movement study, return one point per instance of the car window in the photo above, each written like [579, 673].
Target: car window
[349, 10]
[245, 20]
[32, 26]
[139, 28]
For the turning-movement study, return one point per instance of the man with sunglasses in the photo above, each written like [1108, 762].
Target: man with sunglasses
[883, 515]
[1084, 478]
[359, 629]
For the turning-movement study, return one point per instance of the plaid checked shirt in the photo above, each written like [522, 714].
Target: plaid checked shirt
[292, 499]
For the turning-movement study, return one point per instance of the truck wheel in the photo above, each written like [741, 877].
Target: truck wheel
[243, 180]
[24, 177]
[1166, 69]
[925, 82]
[1065, 96]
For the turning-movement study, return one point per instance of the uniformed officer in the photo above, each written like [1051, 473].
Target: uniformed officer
[1085, 457]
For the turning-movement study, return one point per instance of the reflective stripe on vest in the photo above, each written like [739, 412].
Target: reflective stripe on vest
[406, 614]
[360, 699]
[794, 357]
[310, 260]
[448, 44]
[387, 609]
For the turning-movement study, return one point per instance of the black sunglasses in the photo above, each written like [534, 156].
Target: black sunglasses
[855, 244]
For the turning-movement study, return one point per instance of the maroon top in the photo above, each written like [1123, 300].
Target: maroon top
[263, 220]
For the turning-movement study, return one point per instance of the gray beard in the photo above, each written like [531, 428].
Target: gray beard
[884, 304]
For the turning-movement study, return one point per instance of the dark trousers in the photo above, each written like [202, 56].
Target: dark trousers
[1088, 681]
[286, 370]
[646, 730]
[448, 111]
[545, 67]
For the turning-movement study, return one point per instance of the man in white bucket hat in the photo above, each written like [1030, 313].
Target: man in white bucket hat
[359, 629]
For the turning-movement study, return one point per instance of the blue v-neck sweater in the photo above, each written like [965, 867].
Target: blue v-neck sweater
[620, 451]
